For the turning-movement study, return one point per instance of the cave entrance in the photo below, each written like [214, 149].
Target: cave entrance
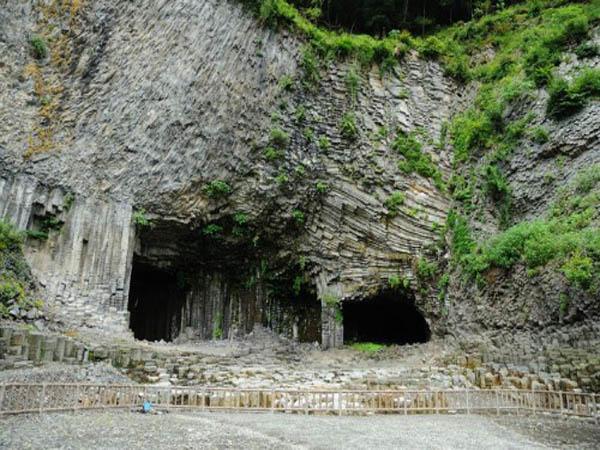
[155, 302]
[388, 318]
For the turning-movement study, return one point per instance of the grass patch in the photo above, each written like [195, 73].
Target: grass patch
[38, 47]
[415, 160]
[367, 347]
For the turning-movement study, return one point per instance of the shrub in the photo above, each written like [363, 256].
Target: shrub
[286, 83]
[539, 135]
[460, 235]
[11, 291]
[212, 229]
[10, 239]
[470, 131]
[587, 50]
[140, 219]
[300, 114]
[352, 84]
[279, 138]
[496, 185]
[348, 127]
[282, 178]
[38, 47]
[587, 179]
[272, 154]
[566, 99]
[321, 187]
[393, 203]
[425, 270]
[217, 188]
[415, 159]
[298, 216]
[324, 143]
[310, 67]
[579, 270]
[37, 235]
[240, 218]
[330, 299]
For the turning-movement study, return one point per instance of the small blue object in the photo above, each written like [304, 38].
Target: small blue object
[147, 407]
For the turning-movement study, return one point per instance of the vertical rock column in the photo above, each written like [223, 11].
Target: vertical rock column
[332, 327]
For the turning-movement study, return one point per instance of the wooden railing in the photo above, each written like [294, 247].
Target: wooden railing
[18, 398]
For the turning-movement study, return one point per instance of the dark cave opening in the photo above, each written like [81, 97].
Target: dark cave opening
[388, 318]
[156, 299]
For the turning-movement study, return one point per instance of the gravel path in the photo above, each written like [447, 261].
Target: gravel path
[118, 430]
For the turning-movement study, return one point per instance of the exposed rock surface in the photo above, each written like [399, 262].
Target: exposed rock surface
[157, 99]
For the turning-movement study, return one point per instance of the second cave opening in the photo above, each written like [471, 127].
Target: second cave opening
[388, 318]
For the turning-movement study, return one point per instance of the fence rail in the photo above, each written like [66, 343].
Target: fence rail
[18, 398]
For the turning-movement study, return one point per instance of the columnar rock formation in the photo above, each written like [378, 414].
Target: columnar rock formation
[160, 100]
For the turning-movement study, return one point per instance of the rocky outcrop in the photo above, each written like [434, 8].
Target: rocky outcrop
[162, 99]
[159, 99]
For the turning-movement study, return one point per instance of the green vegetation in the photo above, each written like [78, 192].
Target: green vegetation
[38, 47]
[282, 178]
[321, 187]
[272, 154]
[497, 188]
[539, 135]
[393, 203]
[568, 98]
[415, 160]
[587, 50]
[310, 66]
[348, 127]
[352, 84]
[367, 347]
[279, 138]
[298, 216]
[240, 218]
[286, 83]
[217, 189]
[212, 230]
[300, 114]
[68, 201]
[324, 143]
[397, 282]
[425, 270]
[278, 142]
[15, 277]
[568, 238]
[218, 326]
[140, 219]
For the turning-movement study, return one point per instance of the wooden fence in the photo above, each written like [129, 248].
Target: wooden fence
[18, 398]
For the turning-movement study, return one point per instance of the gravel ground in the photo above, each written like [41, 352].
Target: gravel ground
[117, 430]
[62, 373]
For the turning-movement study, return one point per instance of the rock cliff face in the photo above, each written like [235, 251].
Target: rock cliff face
[182, 113]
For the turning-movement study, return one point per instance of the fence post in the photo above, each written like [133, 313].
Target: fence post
[42, 395]
[497, 402]
[468, 408]
[2, 393]
[272, 401]
[533, 398]
[76, 404]
[560, 396]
